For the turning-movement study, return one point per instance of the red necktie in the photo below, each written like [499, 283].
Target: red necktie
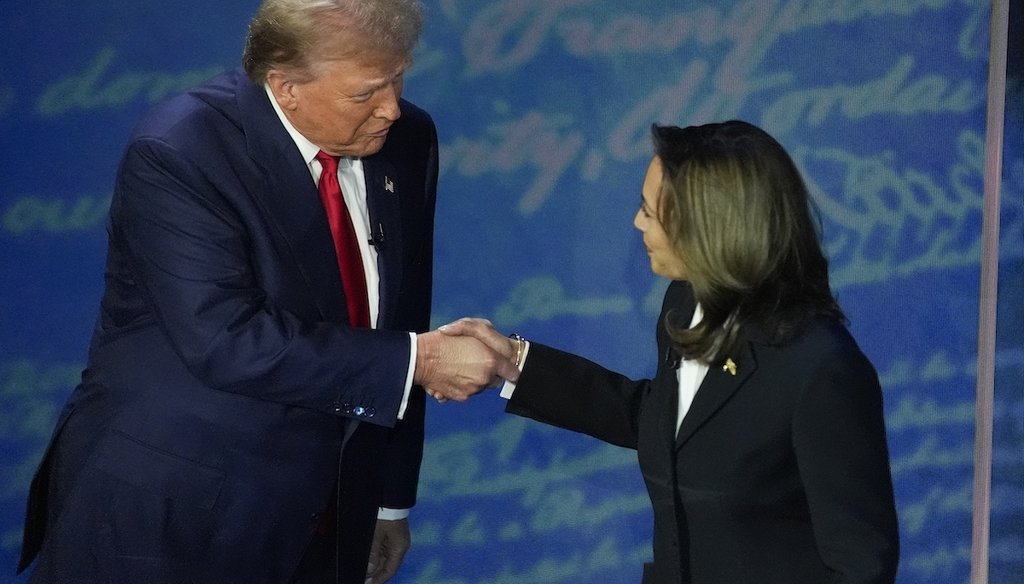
[353, 279]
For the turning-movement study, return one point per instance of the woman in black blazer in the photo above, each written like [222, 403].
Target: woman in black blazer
[761, 436]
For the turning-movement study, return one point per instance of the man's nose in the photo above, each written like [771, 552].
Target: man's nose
[388, 107]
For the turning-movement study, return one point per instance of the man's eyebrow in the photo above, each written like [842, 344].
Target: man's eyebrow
[382, 83]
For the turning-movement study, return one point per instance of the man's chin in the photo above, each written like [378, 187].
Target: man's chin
[365, 148]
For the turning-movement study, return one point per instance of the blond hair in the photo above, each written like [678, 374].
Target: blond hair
[297, 34]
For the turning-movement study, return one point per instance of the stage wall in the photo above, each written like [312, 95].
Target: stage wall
[543, 109]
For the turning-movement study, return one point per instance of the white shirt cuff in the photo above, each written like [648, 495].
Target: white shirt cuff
[392, 514]
[408, 375]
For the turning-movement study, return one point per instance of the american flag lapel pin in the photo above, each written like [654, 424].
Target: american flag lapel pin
[388, 185]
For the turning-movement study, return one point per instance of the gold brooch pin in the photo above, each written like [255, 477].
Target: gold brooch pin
[729, 366]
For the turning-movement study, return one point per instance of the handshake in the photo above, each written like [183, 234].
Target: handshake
[463, 358]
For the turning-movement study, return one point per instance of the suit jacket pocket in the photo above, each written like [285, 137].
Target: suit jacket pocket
[159, 472]
[715, 549]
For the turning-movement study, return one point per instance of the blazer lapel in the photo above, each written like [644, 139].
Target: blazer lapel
[666, 387]
[291, 201]
[383, 189]
[718, 387]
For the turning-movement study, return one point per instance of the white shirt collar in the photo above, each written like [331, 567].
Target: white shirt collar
[308, 149]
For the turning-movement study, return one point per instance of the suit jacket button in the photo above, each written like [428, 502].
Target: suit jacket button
[360, 410]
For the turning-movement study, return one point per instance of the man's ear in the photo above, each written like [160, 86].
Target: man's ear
[283, 89]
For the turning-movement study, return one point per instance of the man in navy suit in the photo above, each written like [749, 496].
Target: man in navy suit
[232, 424]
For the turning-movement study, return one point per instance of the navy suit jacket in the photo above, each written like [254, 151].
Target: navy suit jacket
[779, 473]
[205, 440]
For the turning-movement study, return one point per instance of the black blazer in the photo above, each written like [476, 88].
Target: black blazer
[779, 473]
[205, 440]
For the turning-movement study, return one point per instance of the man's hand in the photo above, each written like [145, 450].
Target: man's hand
[391, 540]
[482, 330]
[457, 367]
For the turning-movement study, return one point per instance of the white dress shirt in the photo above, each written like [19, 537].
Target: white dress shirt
[689, 375]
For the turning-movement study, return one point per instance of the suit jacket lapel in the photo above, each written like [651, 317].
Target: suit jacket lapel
[718, 387]
[678, 299]
[666, 387]
[290, 198]
[383, 190]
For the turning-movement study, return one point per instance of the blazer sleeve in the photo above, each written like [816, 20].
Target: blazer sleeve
[192, 251]
[568, 391]
[840, 445]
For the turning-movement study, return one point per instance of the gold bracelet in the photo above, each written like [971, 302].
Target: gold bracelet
[520, 347]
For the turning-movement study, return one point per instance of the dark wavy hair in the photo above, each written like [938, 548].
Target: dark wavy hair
[738, 213]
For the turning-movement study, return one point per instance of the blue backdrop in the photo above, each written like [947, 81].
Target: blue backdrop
[543, 109]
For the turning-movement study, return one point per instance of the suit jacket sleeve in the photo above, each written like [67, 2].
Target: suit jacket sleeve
[571, 392]
[192, 247]
[568, 391]
[840, 446]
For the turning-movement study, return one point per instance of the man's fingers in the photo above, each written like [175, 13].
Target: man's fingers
[483, 331]
[465, 326]
[392, 539]
[440, 397]
[392, 562]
